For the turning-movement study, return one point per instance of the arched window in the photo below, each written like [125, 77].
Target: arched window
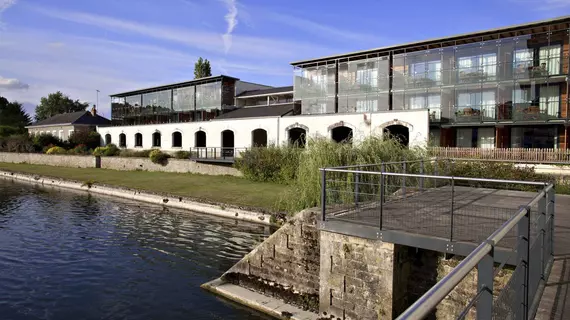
[297, 137]
[122, 140]
[342, 134]
[138, 140]
[200, 139]
[177, 139]
[259, 138]
[398, 132]
[156, 137]
[107, 139]
[227, 143]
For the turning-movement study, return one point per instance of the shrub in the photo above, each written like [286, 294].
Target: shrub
[80, 150]
[182, 155]
[6, 131]
[17, 143]
[112, 150]
[99, 151]
[44, 141]
[134, 153]
[276, 164]
[56, 150]
[159, 157]
[91, 139]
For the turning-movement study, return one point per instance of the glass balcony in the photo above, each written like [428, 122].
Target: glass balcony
[535, 112]
[475, 114]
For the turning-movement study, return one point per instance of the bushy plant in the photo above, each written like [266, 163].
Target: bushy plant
[6, 131]
[99, 151]
[17, 143]
[45, 141]
[112, 150]
[159, 157]
[272, 163]
[134, 153]
[182, 154]
[80, 149]
[91, 139]
[56, 150]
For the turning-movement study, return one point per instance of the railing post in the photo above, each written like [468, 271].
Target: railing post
[323, 193]
[382, 193]
[541, 235]
[356, 188]
[435, 171]
[421, 173]
[551, 202]
[452, 205]
[404, 178]
[521, 287]
[485, 270]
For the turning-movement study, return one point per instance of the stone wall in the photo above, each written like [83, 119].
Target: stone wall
[285, 265]
[50, 160]
[119, 163]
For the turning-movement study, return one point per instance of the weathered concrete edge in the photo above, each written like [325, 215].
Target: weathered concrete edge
[131, 194]
[268, 305]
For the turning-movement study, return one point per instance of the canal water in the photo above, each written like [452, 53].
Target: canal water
[69, 255]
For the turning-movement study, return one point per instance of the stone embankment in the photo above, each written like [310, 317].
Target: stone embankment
[138, 195]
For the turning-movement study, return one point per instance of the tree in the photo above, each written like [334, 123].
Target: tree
[57, 103]
[202, 69]
[13, 118]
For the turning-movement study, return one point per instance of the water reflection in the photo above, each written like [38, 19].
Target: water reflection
[66, 255]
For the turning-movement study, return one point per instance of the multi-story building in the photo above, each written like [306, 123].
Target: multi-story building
[505, 87]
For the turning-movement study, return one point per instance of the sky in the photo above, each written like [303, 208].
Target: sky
[81, 46]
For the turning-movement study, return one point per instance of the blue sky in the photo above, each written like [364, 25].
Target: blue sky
[78, 46]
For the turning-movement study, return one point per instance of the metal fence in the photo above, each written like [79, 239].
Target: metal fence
[215, 153]
[419, 197]
[509, 154]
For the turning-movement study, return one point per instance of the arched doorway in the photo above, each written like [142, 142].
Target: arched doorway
[298, 137]
[176, 139]
[107, 139]
[259, 138]
[200, 139]
[122, 140]
[156, 139]
[342, 134]
[138, 140]
[227, 143]
[398, 132]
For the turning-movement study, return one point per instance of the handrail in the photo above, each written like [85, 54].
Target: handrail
[533, 183]
[426, 303]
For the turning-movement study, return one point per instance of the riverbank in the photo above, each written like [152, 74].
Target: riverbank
[226, 196]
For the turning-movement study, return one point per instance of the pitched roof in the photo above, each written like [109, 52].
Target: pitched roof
[265, 91]
[253, 112]
[73, 118]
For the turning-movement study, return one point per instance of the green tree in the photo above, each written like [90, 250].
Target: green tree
[202, 69]
[13, 118]
[57, 103]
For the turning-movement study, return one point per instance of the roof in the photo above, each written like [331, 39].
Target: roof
[174, 85]
[73, 118]
[261, 92]
[254, 112]
[562, 19]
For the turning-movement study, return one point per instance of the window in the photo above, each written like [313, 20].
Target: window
[549, 100]
[549, 58]
[523, 60]
[138, 140]
[156, 139]
[107, 139]
[485, 137]
[430, 101]
[69, 133]
[464, 137]
[60, 134]
[484, 101]
[366, 105]
[177, 139]
[367, 75]
[122, 140]
[54, 133]
[481, 67]
[426, 70]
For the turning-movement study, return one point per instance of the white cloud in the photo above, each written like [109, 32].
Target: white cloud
[322, 30]
[12, 84]
[231, 19]
[4, 5]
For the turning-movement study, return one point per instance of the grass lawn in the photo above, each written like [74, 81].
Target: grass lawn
[223, 189]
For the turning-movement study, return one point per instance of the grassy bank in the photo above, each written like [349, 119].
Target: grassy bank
[220, 189]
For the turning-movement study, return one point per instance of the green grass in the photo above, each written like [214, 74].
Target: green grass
[219, 189]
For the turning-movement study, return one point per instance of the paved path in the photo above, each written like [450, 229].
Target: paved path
[555, 303]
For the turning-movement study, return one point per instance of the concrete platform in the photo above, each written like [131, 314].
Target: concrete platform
[268, 305]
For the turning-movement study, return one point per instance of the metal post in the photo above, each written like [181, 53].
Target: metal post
[541, 234]
[404, 178]
[485, 270]
[421, 173]
[452, 204]
[323, 193]
[356, 188]
[436, 172]
[521, 287]
[382, 193]
[551, 202]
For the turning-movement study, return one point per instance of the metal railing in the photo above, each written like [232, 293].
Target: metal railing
[215, 153]
[514, 154]
[424, 198]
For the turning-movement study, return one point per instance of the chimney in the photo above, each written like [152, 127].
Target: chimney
[94, 111]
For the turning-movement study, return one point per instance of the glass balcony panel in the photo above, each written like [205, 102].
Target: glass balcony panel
[448, 66]
[209, 96]
[183, 99]
[476, 106]
[317, 106]
[398, 100]
[399, 72]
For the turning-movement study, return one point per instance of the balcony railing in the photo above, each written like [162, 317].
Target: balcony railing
[474, 114]
[533, 112]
